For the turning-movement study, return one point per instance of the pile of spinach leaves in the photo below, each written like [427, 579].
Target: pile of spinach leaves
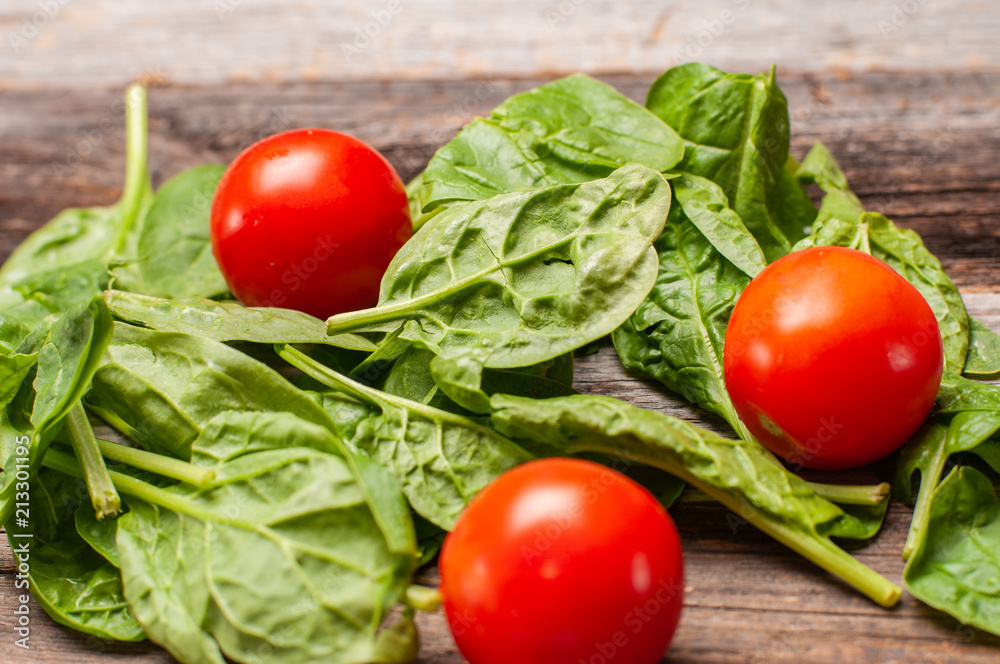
[273, 481]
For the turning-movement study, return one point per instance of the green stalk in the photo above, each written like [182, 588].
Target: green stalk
[323, 373]
[174, 469]
[922, 508]
[66, 464]
[137, 186]
[103, 495]
[423, 598]
[846, 494]
[820, 550]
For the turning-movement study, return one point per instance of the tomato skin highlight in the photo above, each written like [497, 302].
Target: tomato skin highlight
[561, 561]
[832, 359]
[308, 219]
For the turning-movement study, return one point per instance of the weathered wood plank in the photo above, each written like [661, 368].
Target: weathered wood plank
[748, 600]
[109, 42]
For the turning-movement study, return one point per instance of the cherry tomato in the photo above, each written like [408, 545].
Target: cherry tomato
[831, 358]
[563, 561]
[308, 219]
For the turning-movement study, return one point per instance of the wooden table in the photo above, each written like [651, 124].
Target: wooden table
[922, 146]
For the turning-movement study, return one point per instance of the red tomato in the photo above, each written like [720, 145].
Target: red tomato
[832, 359]
[308, 219]
[563, 561]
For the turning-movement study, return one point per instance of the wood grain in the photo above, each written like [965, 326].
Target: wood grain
[203, 42]
[922, 147]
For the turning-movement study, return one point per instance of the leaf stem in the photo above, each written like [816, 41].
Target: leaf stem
[325, 374]
[847, 494]
[174, 469]
[64, 463]
[820, 550]
[103, 495]
[137, 185]
[423, 598]
[922, 509]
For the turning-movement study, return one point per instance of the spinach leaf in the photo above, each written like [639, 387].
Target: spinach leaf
[677, 334]
[736, 133]
[100, 535]
[67, 361]
[740, 475]
[227, 321]
[521, 278]
[65, 262]
[76, 586]
[983, 359]
[706, 207]
[173, 250]
[575, 129]
[957, 394]
[469, 385]
[231, 435]
[162, 388]
[791, 208]
[901, 249]
[14, 368]
[927, 453]
[956, 566]
[318, 585]
[441, 459]
[831, 231]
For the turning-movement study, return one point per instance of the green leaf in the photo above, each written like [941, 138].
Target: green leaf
[319, 583]
[831, 231]
[76, 236]
[13, 370]
[791, 208]
[419, 375]
[983, 360]
[461, 379]
[957, 394]
[740, 475]
[173, 248]
[162, 388]
[706, 206]
[927, 452]
[231, 435]
[575, 129]
[956, 569]
[677, 334]
[736, 133]
[441, 459]
[100, 535]
[67, 360]
[227, 321]
[521, 278]
[76, 586]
